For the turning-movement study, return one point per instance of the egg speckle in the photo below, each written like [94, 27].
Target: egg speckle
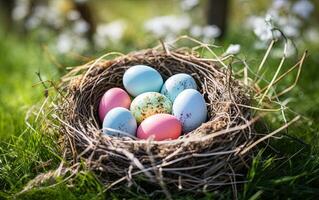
[139, 79]
[119, 122]
[190, 108]
[150, 103]
[176, 84]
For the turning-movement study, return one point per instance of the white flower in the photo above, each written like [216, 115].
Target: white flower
[289, 51]
[262, 27]
[279, 4]
[312, 35]
[303, 8]
[260, 45]
[211, 31]
[207, 33]
[290, 25]
[67, 42]
[113, 30]
[167, 25]
[188, 4]
[80, 27]
[64, 43]
[73, 15]
[110, 32]
[290, 31]
[20, 11]
[196, 31]
[232, 49]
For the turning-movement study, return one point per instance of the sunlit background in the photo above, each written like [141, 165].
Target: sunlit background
[43, 39]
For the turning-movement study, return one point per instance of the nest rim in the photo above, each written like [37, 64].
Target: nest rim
[226, 142]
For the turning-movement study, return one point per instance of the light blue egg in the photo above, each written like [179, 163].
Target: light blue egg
[119, 122]
[176, 84]
[141, 78]
[190, 108]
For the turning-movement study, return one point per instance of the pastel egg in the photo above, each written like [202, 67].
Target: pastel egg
[190, 108]
[150, 103]
[176, 84]
[114, 97]
[160, 127]
[119, 122]
[140, 79]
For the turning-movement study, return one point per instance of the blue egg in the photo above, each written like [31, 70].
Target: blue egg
[119, 122]
[176, 84]
[190, 108]
[140, 79]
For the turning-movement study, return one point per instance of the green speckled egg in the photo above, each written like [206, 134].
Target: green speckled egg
[150, 103]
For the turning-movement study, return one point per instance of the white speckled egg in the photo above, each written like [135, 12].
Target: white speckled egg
[140, 79]
[150, 103]
[176, 84]
[119, 122]
[190, 108]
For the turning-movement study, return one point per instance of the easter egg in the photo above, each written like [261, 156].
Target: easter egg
[140, 79]
[114, 97]
[119, 122]
[160, 126]
[190, 109]
[176, 84]
[150, 103]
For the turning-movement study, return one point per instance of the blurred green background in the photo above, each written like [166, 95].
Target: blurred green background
[47, 37]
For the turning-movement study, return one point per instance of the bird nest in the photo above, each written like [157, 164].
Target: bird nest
[215, 154]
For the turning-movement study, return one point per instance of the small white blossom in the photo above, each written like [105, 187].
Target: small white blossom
[289, 51]
[196, 31]
[80, 27]
[113, 30]
[232, 49]
[67, 42]
[290, 31]
[73, 15]
[20, 10]
[167, 25]
[279, 4]
[110, 32]
[260, 45]
[211, 31]
[188, 4]
[303, 8]
[64, 43]
[262, 27]
[312, 35]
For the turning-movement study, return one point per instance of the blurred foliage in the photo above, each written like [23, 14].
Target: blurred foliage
[289, 171]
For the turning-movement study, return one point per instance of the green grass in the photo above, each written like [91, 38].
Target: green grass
[289, 171]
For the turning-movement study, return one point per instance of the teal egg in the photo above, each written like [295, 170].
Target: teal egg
[140, 79]
[119, 122]
[177, 83]
[190, 109]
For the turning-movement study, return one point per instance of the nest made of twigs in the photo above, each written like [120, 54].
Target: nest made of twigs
[213, 155]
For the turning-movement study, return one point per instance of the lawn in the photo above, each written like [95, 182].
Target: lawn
[290, 169]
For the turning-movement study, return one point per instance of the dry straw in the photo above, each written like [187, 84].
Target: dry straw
[216, 154]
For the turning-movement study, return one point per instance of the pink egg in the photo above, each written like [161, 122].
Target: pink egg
[160, 126]
[114, 97]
